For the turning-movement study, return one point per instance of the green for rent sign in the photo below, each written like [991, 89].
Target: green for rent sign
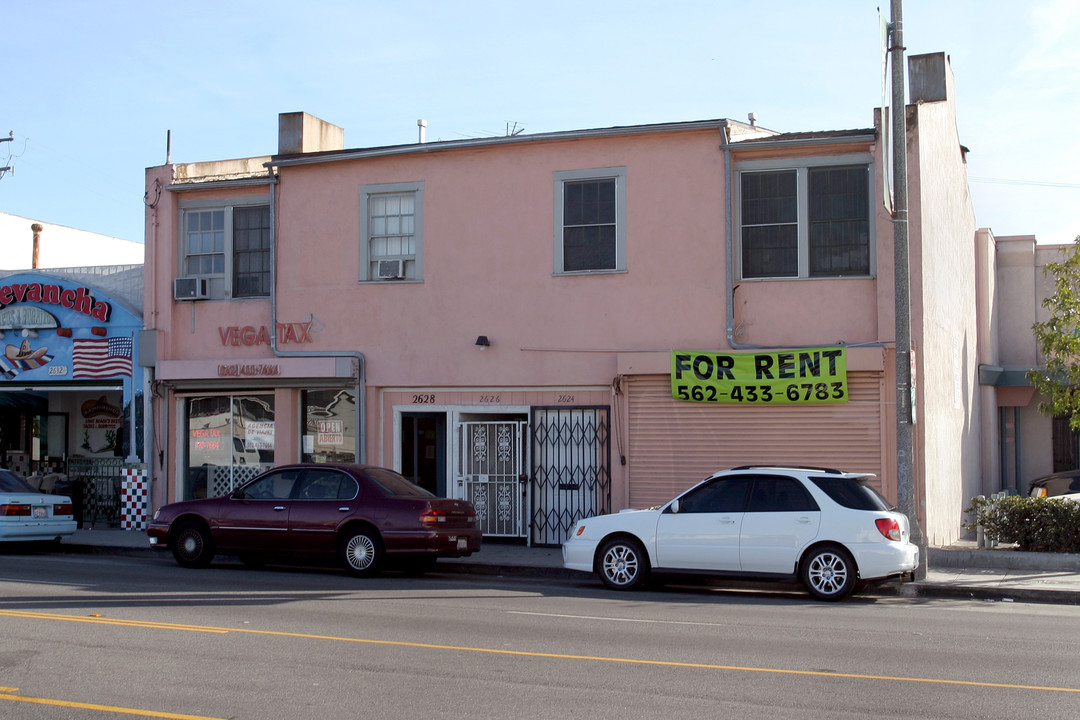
[790, 377]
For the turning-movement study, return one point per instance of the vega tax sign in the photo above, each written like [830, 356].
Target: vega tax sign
[789, 377]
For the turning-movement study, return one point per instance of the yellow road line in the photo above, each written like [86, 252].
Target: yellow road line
[102, 708]
[99, 620]
[553, 656]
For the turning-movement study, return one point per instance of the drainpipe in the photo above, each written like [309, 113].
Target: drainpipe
[358, 357]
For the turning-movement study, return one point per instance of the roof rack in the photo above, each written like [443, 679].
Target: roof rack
[834, 471]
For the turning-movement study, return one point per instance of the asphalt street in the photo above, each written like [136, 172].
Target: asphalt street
[104, 636]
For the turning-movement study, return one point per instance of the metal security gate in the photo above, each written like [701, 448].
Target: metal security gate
[674, 444]
[490, 474]
[571, 476]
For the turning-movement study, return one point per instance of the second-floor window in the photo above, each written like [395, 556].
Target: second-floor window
[590, 221]
[805, 222]
[392, 236]
[230, 247]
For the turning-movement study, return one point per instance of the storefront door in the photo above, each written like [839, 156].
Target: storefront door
[490, 473]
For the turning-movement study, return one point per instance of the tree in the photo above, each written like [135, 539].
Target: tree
[1059, 341]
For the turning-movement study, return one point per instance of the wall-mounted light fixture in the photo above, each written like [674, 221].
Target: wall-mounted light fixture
[482, 342]
[98, 330]
[63, 332]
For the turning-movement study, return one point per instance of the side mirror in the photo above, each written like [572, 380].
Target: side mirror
[674, 507]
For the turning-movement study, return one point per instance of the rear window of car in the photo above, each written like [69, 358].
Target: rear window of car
[10, 482]
[394, 484]
[851, 493]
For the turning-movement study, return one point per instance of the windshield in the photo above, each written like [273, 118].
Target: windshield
[10, 482]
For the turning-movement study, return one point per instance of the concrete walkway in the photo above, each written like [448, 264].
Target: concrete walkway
[961, 571]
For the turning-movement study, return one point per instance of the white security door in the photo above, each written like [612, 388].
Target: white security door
[490, 474]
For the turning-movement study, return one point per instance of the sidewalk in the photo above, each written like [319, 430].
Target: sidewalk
[962, 571]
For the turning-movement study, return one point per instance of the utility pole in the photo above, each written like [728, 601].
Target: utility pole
[905, 393]
[7, 168]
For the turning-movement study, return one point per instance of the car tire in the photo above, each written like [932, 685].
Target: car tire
[828, 573]
[192, 546]
[622, 564]
[361, 552]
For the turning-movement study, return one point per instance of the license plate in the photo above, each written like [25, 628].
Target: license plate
[462, 543]
[40, 512]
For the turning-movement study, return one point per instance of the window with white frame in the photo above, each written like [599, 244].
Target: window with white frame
[590, 221]
[806, 221]
[392, 232]
[229, 246]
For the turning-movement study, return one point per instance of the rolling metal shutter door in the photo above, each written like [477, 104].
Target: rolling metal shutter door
[674, 444]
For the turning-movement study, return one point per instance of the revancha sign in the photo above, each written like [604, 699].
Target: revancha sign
[790, 377]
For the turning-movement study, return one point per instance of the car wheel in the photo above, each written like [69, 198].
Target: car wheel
[362, 552]
[622, 564]
[828, 573]
[192, 546]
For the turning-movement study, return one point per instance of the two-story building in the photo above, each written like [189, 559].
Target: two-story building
[566, 323]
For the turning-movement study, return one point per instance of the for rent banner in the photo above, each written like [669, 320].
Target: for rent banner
[789, 377]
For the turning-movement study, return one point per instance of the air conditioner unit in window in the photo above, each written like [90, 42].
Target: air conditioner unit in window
[190, 289]
[391, 269]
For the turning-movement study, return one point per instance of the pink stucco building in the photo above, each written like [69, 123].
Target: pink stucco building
[504, 319]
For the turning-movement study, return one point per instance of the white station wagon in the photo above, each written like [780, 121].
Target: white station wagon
[824, 528]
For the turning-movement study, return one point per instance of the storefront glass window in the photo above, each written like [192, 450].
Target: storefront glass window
[230, 439]
[329, 426]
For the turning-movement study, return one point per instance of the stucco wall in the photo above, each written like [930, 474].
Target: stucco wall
[945, 327]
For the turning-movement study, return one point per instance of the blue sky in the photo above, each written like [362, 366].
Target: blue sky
[91, 89]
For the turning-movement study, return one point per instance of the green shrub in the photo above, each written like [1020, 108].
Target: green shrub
[1034, 524]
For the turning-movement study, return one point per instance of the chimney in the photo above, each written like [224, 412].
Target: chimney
[299, 132]
[37, 228]
[422, 124]
[929, 77]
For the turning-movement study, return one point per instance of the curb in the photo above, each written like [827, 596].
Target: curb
[988, 559]
[1003, 560]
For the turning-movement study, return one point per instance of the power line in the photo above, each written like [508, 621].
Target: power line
[1039, 183]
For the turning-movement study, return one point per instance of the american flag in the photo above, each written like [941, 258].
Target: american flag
[102, 358]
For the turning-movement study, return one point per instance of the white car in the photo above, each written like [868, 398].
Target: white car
[28, 514]
[1063, 485]
[825, 528]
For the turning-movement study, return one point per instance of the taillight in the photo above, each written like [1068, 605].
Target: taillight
[434, 516]
[889, 528]
[63, 509]
[14, 510]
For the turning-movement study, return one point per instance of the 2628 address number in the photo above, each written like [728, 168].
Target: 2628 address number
[796, 392]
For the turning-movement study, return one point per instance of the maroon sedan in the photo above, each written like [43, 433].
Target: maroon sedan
[363, 514]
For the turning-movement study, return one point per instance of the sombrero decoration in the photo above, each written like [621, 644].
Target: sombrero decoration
[24, 351]
[18, 359]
